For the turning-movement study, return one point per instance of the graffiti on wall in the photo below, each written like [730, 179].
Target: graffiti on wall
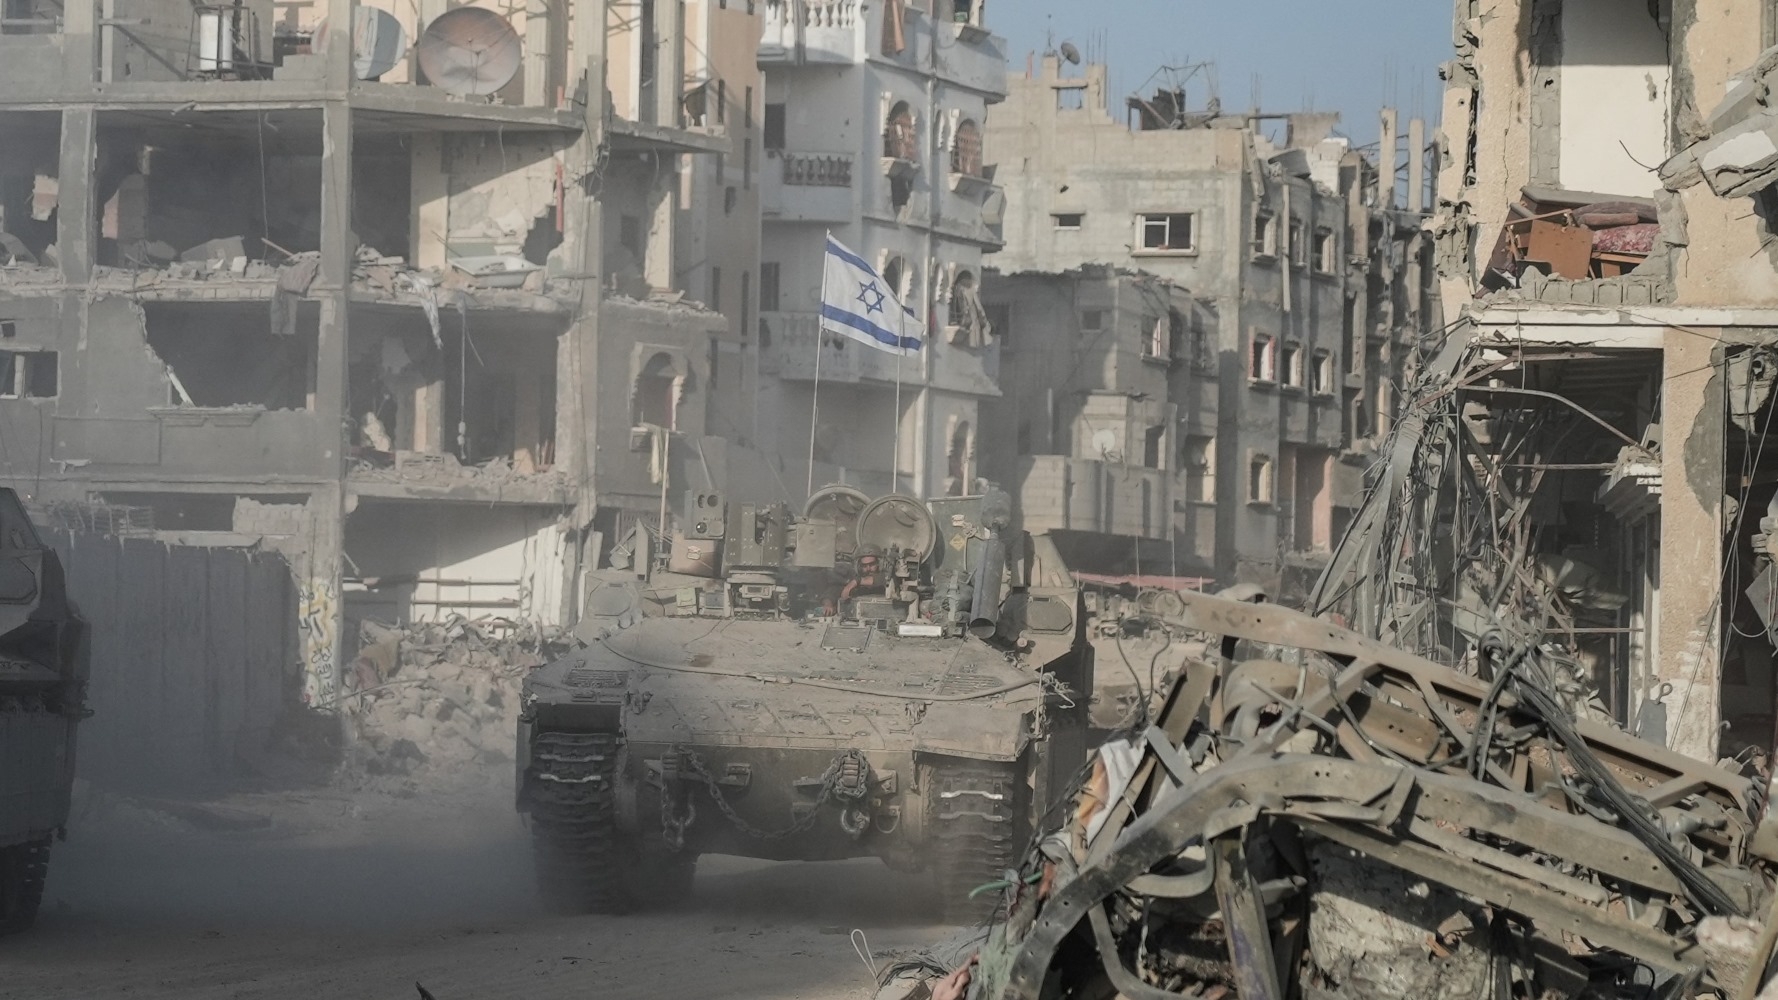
[318, 618]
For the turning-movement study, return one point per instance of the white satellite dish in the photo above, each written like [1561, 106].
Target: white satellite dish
[469, 51]
[1105, 443]
[378, 41]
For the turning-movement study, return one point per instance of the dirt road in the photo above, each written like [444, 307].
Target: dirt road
[361, 894]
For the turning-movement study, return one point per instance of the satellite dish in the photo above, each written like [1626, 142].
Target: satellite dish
[1105, 443]
[898, 522]
[378, 41]
[469, 51]
[840, 506]
[1070, 53]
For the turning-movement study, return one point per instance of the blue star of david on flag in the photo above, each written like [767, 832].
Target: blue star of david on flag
[857, 303]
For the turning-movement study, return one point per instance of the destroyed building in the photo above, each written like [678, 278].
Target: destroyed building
[874, 125]
[1202, 322]
[363, 302]
[1587, 454]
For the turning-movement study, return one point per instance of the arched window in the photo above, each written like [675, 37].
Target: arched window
[895, 275]
[655, 399]
[966, 149]
[963, 307]
[899, 141]
[960, 459]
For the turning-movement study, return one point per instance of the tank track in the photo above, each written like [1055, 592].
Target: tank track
[975, 824]
[580, 854]
[585, 861]
[23, 868]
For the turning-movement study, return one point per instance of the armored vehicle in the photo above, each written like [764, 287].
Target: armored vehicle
[43, 672]
[874, 678]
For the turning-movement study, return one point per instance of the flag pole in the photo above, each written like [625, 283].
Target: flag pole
[895, 459]
[815, 391]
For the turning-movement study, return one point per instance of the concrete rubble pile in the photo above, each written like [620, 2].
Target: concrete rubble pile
[1313, 813]
[441, 695]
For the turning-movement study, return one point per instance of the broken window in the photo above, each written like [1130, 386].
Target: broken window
[1203, 356]
[966, 149]
[1360, 417]
[29, 17]
[654, 399]
[1071, 98]
[1154, 442]
[716, 288]
[1265, 234]
[1348, 331]
[1322, 376]
[774, 130]
[967, 320]
[29, 374]
[1290, 365]
[1326, 250]
[746, 299]
[959, 459]
[8, 329]
[895, 275]
[899, 140]
[1066, 220]
[1197, 456]
[768, 286]
[1261, 359]
[1259, 479]
[1176, 334]
[1299, 245]
[1168, 233]
[964, 11]
[220, 355]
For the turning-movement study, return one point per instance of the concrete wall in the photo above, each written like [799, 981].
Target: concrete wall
[194, 657]
[432, 561]
[1614, 98]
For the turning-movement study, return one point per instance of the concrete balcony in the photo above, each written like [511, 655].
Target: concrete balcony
[791, 355]
[807, 187]
[813, 31]
[1059, 493]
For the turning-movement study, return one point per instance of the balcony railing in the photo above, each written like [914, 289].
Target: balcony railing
[817, 169]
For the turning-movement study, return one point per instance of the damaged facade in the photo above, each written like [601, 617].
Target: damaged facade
[282, 293]
[1203, 325]
[874, 124]
[1585, 448]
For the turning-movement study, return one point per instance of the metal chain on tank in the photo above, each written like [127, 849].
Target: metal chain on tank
[845, 778]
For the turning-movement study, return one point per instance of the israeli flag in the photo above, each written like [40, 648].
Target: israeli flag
[856, 302]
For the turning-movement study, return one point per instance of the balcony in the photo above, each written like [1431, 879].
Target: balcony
[822, 31]
[1059, 493]
[807, 187]
[791, 355]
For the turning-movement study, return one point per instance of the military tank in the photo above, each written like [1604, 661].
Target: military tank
[43, 674]
[875, 678]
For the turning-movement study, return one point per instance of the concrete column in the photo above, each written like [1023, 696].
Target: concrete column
[80, 40]
[1386, 160]
[430, 195]
[669, 61]
[1416, 165]
[1689, 647]
[77, 202]
[663, 211]
[577, 352]
[538, 91]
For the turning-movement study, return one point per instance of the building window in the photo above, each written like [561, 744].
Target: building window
[654, 397]
[721, 102]
[716, 288]
[1203, 356]
[1265, 234]
[768, 286]
[629, 236]
[899, 140]
[1154, 338]
[1327, 247]
[774, 130]
[1154, 445]
[959, 459]
[747, 164]
[1348, 332]
[1299, 245]
[1092, 320]
[747, 109]
[895, 277]
[29, 374]
[966, 149]
[1259, 479]
[1322, 375]
[729, 198]
[746, 300]
[1168, 233]
[967, 320]
[1066, 220]
[1361, 417]
[1290, 365]
[8, 329]
[1197, 456]
[963, 11]
[1262, 358]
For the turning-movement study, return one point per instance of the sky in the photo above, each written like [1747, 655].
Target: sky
[1352, 56]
